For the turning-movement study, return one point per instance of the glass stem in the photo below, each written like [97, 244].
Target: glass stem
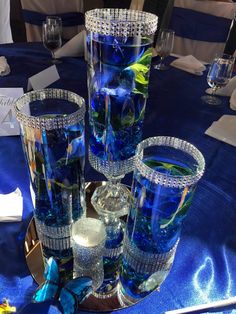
[161, 61]
[214, 89]
[53, 55]
[114, 181]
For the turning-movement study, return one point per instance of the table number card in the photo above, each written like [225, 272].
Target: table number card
[43, 79]
[8, 122]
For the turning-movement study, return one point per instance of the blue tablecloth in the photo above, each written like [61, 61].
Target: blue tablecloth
[205, 265]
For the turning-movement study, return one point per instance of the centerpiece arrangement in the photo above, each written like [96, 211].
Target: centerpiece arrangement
[130, 257]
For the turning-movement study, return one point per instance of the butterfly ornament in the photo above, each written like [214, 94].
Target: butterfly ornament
[69, 295]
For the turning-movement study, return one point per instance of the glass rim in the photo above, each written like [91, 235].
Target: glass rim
[167, 30]
[225, 56]
[169, 180]
[122, 22]
[49, 123]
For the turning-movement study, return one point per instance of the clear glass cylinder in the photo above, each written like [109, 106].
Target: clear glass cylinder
[119, 47]
[167, 170]
[52, 133]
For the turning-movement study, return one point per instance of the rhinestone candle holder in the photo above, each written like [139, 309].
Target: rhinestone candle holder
[88, 239]
[167, 170]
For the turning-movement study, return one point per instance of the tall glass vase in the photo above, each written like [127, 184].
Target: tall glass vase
[119, 52]
[52, 133]
[119, 55]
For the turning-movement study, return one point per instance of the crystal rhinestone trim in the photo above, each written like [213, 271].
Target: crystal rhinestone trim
[49, 123]
[55, 243]
[120, 22]
[144, 262]
[113, 252]
[169, 180]
[53, 232]
[111, 168]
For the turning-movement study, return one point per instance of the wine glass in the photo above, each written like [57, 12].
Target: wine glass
[51, 33]
[218, 76]
[164, 47]
[54, 20]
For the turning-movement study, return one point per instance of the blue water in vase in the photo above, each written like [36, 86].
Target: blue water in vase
[118, 75]
[153, 229]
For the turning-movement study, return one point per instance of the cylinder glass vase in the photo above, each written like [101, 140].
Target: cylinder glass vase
[52, 133]
[167, 170]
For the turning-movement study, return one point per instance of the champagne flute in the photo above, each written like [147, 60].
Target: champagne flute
[219, 74]
[51, 33]
[164, 47]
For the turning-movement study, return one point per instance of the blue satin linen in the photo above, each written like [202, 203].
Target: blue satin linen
[204, 269]
[201, 26]
[68, 19]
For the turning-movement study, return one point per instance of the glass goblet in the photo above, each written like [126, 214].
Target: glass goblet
[219, 74]
[119, 52]
[119, 57]
[164, 47]
[51, 34]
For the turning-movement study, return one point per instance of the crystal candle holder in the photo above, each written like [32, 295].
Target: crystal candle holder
[88, 240]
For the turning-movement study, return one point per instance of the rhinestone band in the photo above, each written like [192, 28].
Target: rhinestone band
[111, 168]
[113, 252]
[59, 244]
[53, 232]
[120, 22]
[47, 123]
[169, 180]
[143, 262]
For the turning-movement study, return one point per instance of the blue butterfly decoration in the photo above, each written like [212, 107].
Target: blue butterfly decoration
[69, 295]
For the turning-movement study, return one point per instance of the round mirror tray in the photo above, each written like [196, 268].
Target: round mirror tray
[34, 259]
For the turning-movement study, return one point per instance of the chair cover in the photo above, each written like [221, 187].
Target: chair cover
[201, 27]
[35, 12]
[5, 28]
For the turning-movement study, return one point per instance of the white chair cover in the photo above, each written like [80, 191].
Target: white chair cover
[35, 11]
[201, 27]
[5, 28]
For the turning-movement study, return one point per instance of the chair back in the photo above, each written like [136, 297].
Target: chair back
[5, 28]
[201, 27]
[35, 11]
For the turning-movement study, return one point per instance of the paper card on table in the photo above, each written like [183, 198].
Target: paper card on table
[43, 79]
[224, 129]
[11, 206]
[8, 122]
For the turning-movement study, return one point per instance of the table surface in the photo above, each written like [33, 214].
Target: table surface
[205, 264]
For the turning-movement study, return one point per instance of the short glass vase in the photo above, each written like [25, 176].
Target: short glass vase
[167, 170]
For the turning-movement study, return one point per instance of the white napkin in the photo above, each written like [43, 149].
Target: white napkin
[11, 206]
[73, 48]
[4, 67]
[189, 64]
[224, 129]
[232, 100]
[227, 90]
